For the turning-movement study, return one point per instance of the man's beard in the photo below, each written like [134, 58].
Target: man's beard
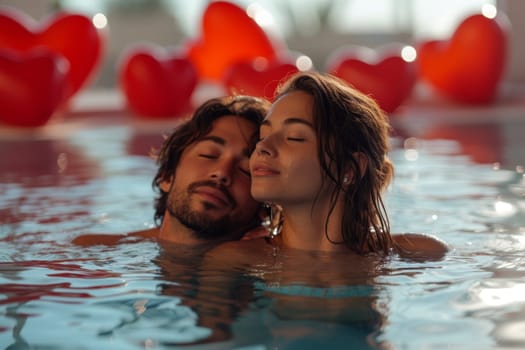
[203, 226]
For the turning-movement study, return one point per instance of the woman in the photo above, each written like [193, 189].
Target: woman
[321, 165]
[322, 159]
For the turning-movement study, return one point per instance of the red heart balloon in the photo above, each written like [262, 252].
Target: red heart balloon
[469, 66]
[228, 35]
[383, 74]
[157, 82]
[32, 86]
[258, 77]
[71, 35]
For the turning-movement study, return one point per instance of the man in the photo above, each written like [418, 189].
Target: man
[203, 178]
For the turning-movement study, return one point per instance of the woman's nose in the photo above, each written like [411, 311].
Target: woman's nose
[264, 147]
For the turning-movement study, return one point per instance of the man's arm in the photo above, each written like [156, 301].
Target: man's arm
[92, 239]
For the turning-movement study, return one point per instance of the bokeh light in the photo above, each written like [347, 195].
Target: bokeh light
[409, 53]
[100, 20]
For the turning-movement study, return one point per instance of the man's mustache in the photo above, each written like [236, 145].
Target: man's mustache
[231, 201]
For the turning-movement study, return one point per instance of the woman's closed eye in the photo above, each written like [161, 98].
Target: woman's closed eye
[296, 139]
[208, 156]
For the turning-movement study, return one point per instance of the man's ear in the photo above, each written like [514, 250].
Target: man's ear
[165, 185]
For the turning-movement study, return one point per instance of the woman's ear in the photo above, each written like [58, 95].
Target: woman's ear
[362, 162]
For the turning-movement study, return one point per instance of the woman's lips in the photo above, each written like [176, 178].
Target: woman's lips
[263, 170]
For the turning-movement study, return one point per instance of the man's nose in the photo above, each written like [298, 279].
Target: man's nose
[222, 173]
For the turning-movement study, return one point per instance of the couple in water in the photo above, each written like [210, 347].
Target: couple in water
[284, 199]
[317, 158]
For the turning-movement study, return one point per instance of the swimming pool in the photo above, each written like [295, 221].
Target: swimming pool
[459, 179]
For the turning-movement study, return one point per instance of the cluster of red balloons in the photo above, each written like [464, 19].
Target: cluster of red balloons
[466, 68]
[43, 65]
[232, 50]
[41, 68]
[159, 82]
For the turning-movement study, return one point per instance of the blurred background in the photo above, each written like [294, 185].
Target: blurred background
[314, 28]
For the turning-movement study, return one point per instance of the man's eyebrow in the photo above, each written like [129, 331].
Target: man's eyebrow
[222, 142]
[289, 121]
[215, 139]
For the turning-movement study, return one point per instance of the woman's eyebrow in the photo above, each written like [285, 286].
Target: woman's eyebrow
[289, 121]
[298, 121]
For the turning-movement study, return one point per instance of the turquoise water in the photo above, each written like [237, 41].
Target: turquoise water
[83, 177]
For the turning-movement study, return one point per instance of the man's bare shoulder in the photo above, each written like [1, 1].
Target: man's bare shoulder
[92, 239]
[420, 246]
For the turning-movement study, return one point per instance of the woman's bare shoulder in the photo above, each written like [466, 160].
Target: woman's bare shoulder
[420, 245]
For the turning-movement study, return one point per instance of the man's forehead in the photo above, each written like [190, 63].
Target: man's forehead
[232, 127]
[231, 131]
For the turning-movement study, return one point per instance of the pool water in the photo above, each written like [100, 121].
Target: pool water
[463, 183]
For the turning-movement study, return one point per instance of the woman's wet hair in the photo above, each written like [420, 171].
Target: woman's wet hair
[194, 129]
[350, 125]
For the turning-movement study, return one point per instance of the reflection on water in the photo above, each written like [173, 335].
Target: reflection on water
[142, 296]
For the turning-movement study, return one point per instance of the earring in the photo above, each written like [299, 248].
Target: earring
[345, 179]
[273, 223]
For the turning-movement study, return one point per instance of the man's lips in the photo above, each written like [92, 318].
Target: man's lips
[214, 195]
